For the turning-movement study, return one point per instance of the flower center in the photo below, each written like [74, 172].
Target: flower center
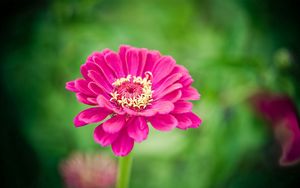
[133, 92]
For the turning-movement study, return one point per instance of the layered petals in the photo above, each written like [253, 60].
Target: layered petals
[130, 89]
[91, 115]
[182, 107]
[187, 120]
[164, 122]
[114, 124]
[190, 93]
[123, 145]
[104, 138]
[138, 129]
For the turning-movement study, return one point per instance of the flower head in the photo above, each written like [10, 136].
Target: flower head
[88, 171]
[282, 114]
[133, 87]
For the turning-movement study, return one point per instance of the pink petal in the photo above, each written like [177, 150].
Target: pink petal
[123, 145]
[184, 121]
[105, 69]
[92, 100]
[91, 65]
[71, 86]
[82, 86]
[281, 112]
[142, 61]
[96, 77]
[162, 85]
[84, 99]
[151, 59]
[186, 80]
[114, 124]
[165, 122]
[182, 107]
[138, 129]
[103, 102]
[104, 138]
[196, 121]
[114, 61]
[84, 71]
[167, 90]
[173, 96]
[163, 68]
[190, 93]
[106, 51]
[132, 60]
[91, 115]
[97, 90]
[102, 69]
[142, 113]
[146, 113]
[122, 53]
[288, 135]
[160, 107]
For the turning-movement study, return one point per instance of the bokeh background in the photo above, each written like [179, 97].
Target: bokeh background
[232, 49]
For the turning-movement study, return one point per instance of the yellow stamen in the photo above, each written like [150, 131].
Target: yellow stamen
[140, 101]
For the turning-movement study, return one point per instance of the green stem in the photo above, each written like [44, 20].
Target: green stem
[124, 171]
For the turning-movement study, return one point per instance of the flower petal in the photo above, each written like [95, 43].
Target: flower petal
[167, 90]
[132, 60]
[165, 122]
[162, 107]
[71, 86]
[152, 57]
[122, 53]
[91, 115]
[97, 90]
[186, 80]
[104, 138]
[84, 99]
[98, 59]
[138, 129]
[190, 93]
[196, 121]
[173, 96]
[184, 121]
[82, 86]
[114, 61]
[103, 102]
[182, 107]
[142, 61]
[100, 81]
[114, 124]
[165, 83]
[123, 145]
[288, 135]
[163, 68]
[84, 71]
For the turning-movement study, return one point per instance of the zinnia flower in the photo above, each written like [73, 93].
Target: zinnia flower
[88, 171]
[282, 114]
[133, 87]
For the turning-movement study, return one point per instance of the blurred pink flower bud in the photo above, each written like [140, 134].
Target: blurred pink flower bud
[88, 171]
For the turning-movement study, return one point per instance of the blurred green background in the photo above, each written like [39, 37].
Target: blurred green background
[232, 49]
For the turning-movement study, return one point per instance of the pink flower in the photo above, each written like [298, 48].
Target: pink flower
[88, 171]
[133, 87]
[281, 112]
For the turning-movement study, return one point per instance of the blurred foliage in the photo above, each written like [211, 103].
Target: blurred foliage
[229, 50]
